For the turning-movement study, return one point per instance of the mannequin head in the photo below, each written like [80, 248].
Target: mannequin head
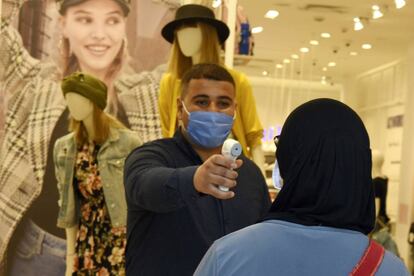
[213, 33]
[80, 108]
[190, 40]
[100, 121]
[209, 50]
[86, 98]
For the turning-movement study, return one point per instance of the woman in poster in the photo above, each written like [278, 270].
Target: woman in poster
[93, 41]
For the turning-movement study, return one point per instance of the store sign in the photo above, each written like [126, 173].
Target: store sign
[395, 121]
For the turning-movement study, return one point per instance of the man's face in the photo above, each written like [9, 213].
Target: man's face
[207, 95]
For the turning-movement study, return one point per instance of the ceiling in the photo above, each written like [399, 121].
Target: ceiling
[300, 21]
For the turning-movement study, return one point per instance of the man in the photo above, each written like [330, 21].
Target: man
[175, 208]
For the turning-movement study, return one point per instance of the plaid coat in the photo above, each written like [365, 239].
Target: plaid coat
[34, 105]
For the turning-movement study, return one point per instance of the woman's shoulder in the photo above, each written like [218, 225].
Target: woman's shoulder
[130, 79]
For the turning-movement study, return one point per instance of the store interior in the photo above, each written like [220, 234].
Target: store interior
[360, 52]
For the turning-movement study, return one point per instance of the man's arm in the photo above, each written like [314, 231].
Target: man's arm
[152, 183]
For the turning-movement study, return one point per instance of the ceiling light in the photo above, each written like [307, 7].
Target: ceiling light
[272, 14]
[323, 80]
[325, 35]
[358, 24]
[353, 53]
[265, 73]
[257, 30]
[279, 66]
[324, 69]
[332, 64]
[366, 46]
[294, 56]
[304, 50]
[399, 3]
[286, 60]
[314, 42]
[216, 3]
[376, 12]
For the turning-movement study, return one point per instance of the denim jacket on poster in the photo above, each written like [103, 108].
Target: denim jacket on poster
[111, 157]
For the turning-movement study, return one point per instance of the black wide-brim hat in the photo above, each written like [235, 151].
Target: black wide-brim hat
[192, 13]
[64, 4]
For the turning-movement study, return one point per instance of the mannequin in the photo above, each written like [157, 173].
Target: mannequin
[92, 201]
[196, 37]
[380, 182]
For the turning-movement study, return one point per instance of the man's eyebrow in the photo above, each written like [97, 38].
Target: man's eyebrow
[225, 98]
[200, 96]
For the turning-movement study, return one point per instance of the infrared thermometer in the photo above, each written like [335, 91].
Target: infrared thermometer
[231, 150]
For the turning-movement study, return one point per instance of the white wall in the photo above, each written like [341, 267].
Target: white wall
[379, 96]
[276, 98]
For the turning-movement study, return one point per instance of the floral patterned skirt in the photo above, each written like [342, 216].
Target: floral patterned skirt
[100, 248]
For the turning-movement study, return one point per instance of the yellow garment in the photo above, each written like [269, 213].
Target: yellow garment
[247, 128]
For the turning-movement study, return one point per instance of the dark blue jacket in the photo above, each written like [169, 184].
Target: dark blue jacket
[169, 224]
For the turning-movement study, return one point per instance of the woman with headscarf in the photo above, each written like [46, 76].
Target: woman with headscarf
[319, 222]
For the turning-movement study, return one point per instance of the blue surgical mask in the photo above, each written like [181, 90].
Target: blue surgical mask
[208, 129]
[276, 178]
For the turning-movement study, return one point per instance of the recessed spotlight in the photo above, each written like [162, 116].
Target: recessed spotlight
[314, 42]
[353, 53]
[325, 35]
[366, 46]
[279, 66]
[358, 24]
[324, 69]
[257, 30]
[304, 50]
[376, 12]
[216, 3]
[265, 73]
[286, 60]
[272, 14]
[331, 64]
[399, 3]
[295, 56]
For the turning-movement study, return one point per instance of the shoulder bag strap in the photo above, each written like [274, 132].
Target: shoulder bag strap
[370, 261]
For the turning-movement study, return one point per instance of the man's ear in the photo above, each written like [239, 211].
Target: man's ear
[179, 109]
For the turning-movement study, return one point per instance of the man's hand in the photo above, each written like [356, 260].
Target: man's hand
[216, 171]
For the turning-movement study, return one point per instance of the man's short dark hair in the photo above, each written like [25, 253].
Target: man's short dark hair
[208, 71]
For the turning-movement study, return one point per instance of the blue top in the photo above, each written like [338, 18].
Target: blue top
[277, 247]
[170, 226]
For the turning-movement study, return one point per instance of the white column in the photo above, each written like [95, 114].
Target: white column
[406, 190]
[231, 23]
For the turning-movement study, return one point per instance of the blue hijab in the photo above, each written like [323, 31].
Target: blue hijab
[324, 158]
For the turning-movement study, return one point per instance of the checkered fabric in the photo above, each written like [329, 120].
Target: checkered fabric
[35, 104]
